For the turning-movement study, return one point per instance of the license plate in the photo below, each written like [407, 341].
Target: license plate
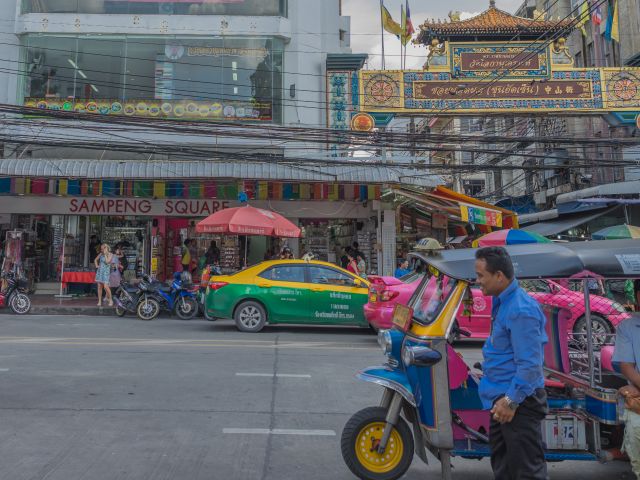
[402, 316]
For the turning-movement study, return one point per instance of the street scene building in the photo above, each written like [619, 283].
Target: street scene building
[215, 213]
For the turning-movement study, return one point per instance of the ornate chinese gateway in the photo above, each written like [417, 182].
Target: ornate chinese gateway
[494, 62]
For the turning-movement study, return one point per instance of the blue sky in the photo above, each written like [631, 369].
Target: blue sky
[365, 25]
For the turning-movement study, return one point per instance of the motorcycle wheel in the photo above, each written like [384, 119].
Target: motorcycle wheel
[186, 308]
[121, 312]
[360, 436]
[20, 303]
[148, 309]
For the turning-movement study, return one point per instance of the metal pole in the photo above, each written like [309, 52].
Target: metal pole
[587, 318]
[64, 240]
[445, 464]
[382, 32]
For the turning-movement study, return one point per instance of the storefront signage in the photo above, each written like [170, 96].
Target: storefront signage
[480, 216]
[439, 221]
[159, 108]
[113, 206]
[220, 51]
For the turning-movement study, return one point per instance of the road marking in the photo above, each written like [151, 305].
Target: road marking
[271, 375]
[4, 369]
[129, 342]
[279, 431]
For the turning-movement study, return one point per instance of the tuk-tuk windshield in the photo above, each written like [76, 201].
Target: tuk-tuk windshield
[432, 298]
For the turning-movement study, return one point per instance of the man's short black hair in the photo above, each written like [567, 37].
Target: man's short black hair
[497, 259]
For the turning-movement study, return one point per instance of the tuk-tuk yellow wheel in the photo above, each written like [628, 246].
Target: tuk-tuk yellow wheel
[360, 439]
[369, 457]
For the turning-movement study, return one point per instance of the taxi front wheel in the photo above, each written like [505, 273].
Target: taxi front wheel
[250, 317]
[360, 439]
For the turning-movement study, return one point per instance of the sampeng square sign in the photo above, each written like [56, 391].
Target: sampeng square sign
[491, 77]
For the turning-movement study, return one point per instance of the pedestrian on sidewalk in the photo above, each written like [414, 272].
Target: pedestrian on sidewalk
[103, 265]
[186, 255]
[512, 386]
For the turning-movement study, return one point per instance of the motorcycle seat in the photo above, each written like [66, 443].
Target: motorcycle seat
[165, 289]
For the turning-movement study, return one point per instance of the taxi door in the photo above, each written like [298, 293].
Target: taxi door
[283, 291]
[335, 297]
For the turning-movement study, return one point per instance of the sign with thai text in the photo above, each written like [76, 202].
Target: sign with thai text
[517, 60]
[509, 89]
[470, 61]
[480, 216]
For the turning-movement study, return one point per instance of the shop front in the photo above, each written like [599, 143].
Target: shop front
[64, 236]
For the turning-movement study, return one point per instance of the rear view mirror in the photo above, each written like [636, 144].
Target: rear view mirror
[357, 282]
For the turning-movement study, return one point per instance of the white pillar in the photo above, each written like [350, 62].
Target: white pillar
[388, 241]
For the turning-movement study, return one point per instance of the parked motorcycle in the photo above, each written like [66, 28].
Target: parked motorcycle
[148, 306]
[15, 293]
[179, 297]
[126, 298]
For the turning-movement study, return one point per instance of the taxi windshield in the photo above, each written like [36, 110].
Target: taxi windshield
[432, 298]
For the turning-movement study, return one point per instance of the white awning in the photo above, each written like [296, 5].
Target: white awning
[622, 188]
[203, 169]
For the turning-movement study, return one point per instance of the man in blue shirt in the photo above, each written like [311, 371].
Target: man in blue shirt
[402, 270]
[627, 353]
[512, 386]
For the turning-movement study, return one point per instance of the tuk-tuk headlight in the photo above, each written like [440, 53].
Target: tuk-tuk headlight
[385, 342]
[420, 356]
[407, 356]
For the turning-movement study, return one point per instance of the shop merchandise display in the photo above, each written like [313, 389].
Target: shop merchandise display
[316, 240]
[117, 231]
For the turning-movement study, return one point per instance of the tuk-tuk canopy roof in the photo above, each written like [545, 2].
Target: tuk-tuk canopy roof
[606, 258]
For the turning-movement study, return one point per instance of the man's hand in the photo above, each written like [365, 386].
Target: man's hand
[629, 391]
[501, 412]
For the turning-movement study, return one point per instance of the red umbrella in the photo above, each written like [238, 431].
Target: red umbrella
[248, 220]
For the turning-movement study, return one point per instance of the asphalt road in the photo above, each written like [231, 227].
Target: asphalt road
[116, 398]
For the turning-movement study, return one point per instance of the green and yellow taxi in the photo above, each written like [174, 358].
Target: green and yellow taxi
[288, 291]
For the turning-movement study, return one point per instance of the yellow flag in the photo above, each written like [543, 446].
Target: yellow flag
[583, 17]
[388, 23]
[615, 27]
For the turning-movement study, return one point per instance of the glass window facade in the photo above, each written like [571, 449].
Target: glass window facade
[234, 79]
[159, 7]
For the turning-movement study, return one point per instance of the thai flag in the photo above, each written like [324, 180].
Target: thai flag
[596, 16]
[409, 30]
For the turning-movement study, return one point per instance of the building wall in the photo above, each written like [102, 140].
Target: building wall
[309, 32]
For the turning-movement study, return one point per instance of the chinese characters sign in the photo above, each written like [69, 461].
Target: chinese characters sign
[480, 216]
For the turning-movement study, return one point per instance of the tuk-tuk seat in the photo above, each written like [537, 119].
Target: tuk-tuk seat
[556, 351]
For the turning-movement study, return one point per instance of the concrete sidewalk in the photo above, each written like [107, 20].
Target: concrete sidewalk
[51, 305]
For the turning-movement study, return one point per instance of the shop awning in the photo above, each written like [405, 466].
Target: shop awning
[562, 224]
[609, 189]
[206, 169]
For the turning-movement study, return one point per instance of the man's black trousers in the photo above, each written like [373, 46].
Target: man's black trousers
[517, 451]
